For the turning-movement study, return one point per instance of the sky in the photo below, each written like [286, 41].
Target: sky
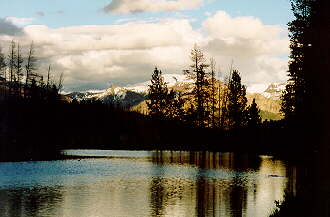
[100, 43]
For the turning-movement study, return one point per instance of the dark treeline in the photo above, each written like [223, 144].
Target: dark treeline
[37, 121]
[305, 104]
[208, 103]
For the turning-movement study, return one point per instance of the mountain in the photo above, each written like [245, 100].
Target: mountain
[274, 91]
[132, 95]
[267, 96]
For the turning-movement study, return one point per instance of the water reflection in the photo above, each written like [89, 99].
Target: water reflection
[155, 184]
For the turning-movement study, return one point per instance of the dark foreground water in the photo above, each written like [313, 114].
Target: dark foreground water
[141, 183]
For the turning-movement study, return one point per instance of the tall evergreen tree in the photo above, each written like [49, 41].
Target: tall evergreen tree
[236, 101]
[200, 91]
[253, 115]
[157, 95]
[18, 70]
[298, 87]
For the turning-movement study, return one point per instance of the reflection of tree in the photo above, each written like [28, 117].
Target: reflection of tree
[157, 197]
[157, 190]
[231, 195]
[207, 203]
[30, 202]
[208, 160]
[238, 198]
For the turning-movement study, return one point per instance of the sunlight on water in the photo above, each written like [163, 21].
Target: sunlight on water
[140, 183]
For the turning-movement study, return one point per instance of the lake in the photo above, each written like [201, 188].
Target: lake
[99, 183]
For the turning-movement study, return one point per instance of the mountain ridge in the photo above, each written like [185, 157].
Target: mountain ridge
[133, 96]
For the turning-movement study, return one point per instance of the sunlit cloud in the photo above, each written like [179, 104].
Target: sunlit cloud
[20, 21]
[127, 52]
[138, 6]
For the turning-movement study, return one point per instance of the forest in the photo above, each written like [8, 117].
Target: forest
[39, 121]
[210, 115]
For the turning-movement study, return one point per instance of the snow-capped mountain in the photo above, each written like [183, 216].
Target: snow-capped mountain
[267, 95]
[272, 91]
[129, 95]
[171, 80]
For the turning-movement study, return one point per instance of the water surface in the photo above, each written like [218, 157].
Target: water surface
[142, 183]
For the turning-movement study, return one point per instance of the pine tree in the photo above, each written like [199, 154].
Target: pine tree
[157, 95]
[18, 70]
[236, 101]
[174, 106]
[253, 115]
[200, 92]
[295, 96]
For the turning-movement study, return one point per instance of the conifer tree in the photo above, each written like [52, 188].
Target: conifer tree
[236, 101]
[298, 88]
[19, 64]
[200, 91]
[18, 70]
[253, 115]
[157, 95]
[175, 106]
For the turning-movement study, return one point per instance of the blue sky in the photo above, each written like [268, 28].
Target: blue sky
[59, 13]
[262, 23]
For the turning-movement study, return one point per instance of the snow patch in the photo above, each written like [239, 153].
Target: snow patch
[257, 88]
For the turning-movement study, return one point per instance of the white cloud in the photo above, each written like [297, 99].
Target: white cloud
[93, 56]
[252, 46]
[136, 6]
[20, 21]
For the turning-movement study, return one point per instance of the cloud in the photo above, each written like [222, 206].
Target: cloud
[138, 6]
[8, 28]
[94, 56]
[20, 21]
[40, 13]
[252, 45]
[124, 53]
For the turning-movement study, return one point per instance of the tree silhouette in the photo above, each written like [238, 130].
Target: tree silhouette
[30, 66]
[253, 115]
[3, 64]
[12, 60]
[157, 95]
[298, 87]
[200, 91]
[213, 93]
[174, 108]
[236, 101]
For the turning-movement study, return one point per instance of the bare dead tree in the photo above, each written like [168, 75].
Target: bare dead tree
[30, 66]
[213, 90]
[3, 65]
[11, 60]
